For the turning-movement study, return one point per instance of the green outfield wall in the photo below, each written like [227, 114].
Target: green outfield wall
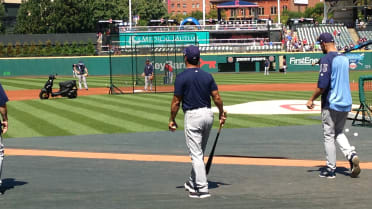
[241, 62]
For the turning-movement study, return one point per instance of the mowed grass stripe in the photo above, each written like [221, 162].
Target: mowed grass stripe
[68, 119]
[18, 127]
[130, 119]
[132, 104]
[141, 113]
[153, 100]
[221, 78]
[36, 120]
[92, 118]
[262, 80]
[132, 114]
[14, 85]
[246, 78]
[35, 81]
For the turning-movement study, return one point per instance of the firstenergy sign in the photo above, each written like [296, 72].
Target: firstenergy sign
[305, 61]
[302, 61]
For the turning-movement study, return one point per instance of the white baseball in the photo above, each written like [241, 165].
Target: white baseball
[347, 130]
[356, 134]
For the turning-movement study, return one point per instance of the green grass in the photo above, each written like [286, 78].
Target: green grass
[17, 83]
[106, 114]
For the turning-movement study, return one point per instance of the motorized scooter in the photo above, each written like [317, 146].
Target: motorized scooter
[66, 89]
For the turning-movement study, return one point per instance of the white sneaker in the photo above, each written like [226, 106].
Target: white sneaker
[189, 187]
[200, 195]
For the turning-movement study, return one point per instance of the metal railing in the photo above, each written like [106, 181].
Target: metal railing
[229, 26]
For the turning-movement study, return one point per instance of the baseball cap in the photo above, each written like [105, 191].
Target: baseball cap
[192, 52]
[325, 38]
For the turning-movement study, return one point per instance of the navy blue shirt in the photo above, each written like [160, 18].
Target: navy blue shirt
[3, 96]
[267, 63]
[325, 73]
[81, 68]
[195, 86]
[148, 70]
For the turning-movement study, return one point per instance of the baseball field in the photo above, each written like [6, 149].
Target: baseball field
[114, 151]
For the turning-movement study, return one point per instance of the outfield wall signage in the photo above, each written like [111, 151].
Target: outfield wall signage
[357, 61]
[245, 59]
[305, 61]
[175, 65]
[99, 65]
[163, 38]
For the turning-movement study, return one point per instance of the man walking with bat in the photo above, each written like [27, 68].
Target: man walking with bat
[194, 88]
[334, 88]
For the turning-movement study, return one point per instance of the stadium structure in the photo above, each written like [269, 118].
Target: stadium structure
[233, 45]
[261, 36]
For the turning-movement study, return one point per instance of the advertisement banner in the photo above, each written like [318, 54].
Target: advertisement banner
[163, 38]
[304, 61]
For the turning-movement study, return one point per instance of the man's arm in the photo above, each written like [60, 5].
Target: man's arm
[316, 94]
[4, 115]
[219, 104]
[75, 70]
[175, 106]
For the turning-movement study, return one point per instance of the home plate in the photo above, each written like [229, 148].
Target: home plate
[272, 107]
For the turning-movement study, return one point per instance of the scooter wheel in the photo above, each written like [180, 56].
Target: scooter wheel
[43, 95]
[72, 95]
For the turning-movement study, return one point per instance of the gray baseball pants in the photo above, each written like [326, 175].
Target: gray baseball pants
[198, 124]
[333, 123]
[148, 82]
[84, 79]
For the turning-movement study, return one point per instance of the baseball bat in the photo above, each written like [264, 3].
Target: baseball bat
[210, 159]
[364, 44]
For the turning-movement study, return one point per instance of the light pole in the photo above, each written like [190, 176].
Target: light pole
[130, 14]
[203, 13]
[278, 11]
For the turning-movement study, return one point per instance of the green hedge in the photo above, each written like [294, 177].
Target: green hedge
[41, 49]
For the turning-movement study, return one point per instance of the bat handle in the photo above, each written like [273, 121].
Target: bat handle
[221, 125]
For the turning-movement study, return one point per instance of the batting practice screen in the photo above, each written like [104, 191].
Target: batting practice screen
[165, 54]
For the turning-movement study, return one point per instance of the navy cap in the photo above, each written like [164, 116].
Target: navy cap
[326, 38]
[192, 52]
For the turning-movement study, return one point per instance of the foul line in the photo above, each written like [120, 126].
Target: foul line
[176, 158]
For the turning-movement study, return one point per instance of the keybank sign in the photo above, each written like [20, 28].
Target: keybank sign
[175, 65]
[302, 61]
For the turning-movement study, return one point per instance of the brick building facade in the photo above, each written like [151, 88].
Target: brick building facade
[187, 6]
[267, 8]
